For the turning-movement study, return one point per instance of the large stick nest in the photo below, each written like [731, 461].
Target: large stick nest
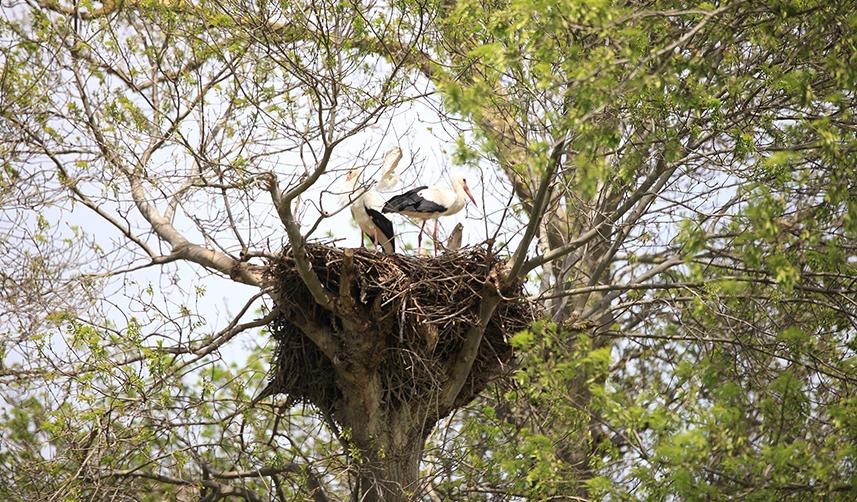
[418, 312]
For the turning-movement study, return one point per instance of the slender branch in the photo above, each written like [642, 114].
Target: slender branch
[157, 260]
[687, 285]
[314, 485]
[229, 331]
[222, 489]
[659, 179]
[181, 247]
[539, 204]
[107, 8]
[72, 185]
[652, 272]
[625, 229]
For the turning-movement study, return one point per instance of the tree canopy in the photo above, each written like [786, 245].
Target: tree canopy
[673, 183]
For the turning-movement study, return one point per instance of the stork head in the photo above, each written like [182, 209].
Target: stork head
[460, 181]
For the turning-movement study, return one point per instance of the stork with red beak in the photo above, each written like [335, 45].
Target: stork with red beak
[430, 203]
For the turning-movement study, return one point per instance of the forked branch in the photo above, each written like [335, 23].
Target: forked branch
[283, 204]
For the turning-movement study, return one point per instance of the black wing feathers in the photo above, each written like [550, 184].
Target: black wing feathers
[383, 224]
[411, 201]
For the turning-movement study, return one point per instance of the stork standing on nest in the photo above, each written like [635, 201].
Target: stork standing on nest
[366, 207]
[430, 203]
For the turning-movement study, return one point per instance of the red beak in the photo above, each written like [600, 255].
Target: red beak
[467, 191]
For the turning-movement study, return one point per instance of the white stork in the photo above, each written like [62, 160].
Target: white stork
[366, 208]
[430, 203]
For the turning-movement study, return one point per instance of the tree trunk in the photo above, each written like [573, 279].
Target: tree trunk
[384, 369]
[390, 475]
[389, 441]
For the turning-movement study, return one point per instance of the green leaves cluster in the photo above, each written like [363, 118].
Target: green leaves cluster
[733, 384]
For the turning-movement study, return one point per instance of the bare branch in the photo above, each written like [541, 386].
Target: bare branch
[284, 209]
[461, 365]
[539, 204]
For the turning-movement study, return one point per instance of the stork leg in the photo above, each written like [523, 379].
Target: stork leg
[377, 241]
[434, 237]
[420, 238]
[361, 238]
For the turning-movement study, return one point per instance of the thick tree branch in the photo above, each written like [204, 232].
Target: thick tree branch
[283, 204]
[459, 368]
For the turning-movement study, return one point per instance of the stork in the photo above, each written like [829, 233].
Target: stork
[366, 208]
[430, 203]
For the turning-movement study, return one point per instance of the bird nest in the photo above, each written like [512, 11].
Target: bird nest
[417, 312]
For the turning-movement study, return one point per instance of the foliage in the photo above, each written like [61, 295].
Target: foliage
[683, 187]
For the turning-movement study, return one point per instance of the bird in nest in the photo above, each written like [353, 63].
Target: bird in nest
[366, 203]
[430, 203]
